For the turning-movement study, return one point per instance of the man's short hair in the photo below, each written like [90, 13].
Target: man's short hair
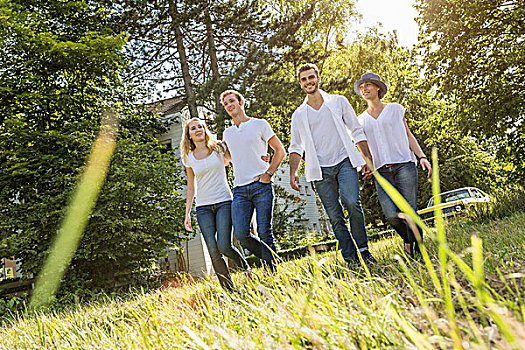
[306, 67]
[234, 92]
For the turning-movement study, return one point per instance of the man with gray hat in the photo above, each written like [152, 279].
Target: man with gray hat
[326, 130]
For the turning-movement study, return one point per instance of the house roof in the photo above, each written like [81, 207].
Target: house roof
[166, 106]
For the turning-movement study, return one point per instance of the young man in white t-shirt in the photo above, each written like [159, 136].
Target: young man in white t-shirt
[326, 130]
[247, 140]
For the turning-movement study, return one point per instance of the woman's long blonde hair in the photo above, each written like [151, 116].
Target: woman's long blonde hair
[187, 145]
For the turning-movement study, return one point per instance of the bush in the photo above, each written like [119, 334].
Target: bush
[12, 306]
[505, 202]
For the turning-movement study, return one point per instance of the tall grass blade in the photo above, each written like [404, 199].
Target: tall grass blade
[405, 207]
[442, 252]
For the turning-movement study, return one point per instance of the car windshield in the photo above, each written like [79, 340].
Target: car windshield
[452, 196]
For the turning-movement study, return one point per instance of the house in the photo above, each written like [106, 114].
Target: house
[194, 258]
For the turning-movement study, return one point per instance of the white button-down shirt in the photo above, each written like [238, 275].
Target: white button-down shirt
[348, 130]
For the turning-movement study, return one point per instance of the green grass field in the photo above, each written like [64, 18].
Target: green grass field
[317, 302]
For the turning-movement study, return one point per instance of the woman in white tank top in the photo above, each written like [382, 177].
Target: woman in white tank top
[204, 160]
[395, 153]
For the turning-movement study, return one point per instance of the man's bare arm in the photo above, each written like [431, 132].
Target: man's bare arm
[277, 158]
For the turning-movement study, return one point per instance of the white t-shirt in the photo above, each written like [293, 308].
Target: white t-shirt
[247, 143]
[210, 175]
[387, 136]
[327, 143]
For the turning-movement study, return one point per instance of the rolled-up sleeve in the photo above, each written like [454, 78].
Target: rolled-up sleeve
[351, 122]
[296, 143]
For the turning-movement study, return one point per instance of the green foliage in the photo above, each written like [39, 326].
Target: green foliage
[289, 221]
[60, 67]
[473, 54]
[9, 308]
[136, 217]
[57, 58]
[506, 201]
[139, 212]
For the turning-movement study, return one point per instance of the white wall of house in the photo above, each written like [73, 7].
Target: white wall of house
[282, 178]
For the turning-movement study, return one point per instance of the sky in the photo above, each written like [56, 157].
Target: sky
[392, 14]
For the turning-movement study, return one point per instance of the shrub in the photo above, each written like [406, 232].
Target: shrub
[505, 202]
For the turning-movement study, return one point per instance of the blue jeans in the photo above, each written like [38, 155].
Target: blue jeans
[259, 196]
[342, 182]
[403, 176]
[215, 222]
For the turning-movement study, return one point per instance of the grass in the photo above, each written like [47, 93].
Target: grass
[466, 293]
[319, 303]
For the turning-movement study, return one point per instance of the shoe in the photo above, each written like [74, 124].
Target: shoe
[408, 249]
[413, 252]
[368, 258]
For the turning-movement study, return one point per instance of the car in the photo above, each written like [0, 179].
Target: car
[455, 202]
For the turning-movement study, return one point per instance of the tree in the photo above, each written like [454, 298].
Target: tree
[181, 49]
[226, 43]
[305, 31]
[473, 54]
[212, 39]
[56, 75]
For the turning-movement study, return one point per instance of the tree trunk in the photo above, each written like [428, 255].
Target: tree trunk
[179, 39]
[212, 52]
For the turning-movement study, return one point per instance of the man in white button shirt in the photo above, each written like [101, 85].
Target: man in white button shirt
[247, 140]
[326, 130]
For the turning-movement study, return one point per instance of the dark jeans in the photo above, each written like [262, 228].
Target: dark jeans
[340, 183]
[259, 196]
[403, 176]
[215, 222]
